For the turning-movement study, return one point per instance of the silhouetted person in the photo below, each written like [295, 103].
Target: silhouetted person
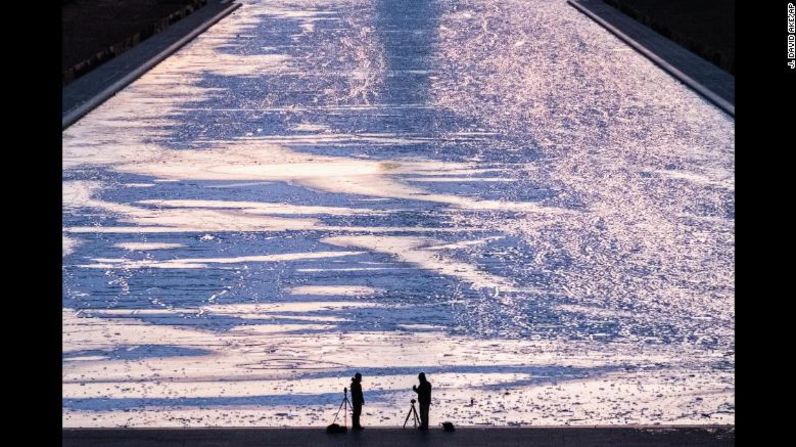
[424, 398]
[357, 400]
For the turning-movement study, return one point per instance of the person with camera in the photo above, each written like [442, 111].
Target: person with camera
[424, 398]
[357, 400]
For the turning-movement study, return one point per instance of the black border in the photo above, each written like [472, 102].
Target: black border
[32, 298]
[764, 140]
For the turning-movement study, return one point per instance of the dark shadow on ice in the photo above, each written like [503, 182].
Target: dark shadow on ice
[138, 352]
[540, 375]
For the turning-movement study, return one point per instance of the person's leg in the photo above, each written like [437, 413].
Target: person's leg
[355, 416]
[424, 416]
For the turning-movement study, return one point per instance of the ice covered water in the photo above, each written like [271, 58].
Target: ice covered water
[495, 193]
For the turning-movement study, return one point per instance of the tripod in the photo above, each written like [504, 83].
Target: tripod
[412, 412]
[344, 404]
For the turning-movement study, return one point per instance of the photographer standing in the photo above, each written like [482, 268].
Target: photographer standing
[357, 400]
[424, 398]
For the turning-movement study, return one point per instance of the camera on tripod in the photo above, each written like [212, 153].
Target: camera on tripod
[412, 414]
[334, 427]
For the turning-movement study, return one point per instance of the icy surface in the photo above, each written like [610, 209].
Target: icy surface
[497, 193]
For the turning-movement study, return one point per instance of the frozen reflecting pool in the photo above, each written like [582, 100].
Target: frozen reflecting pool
[499, 193]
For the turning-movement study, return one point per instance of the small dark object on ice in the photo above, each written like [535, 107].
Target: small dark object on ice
[448, 426]
[336, 428]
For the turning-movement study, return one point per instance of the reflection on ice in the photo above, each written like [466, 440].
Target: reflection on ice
[68, 245]
[198, 263]
[258, 207]
[145, 246]
[413, 250]
[334, 290]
